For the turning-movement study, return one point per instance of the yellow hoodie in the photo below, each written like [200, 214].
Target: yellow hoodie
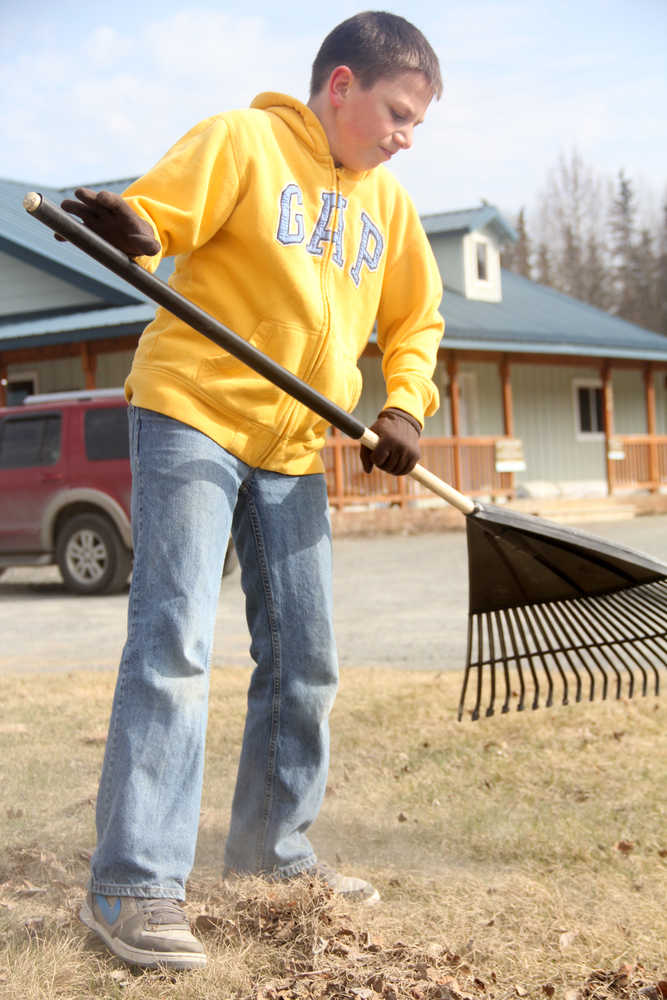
[299, 258]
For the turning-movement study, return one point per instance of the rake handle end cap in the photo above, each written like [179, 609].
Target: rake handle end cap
[32, 201]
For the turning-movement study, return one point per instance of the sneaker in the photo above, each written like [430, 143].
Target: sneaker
[354, 889]
[147, 932]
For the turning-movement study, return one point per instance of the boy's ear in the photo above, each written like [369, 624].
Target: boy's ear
[340, 81]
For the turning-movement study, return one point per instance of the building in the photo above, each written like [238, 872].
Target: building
[540, 393]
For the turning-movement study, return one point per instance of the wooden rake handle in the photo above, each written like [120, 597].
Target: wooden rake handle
[163, 294]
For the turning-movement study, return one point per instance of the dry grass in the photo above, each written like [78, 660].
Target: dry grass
[523, 856]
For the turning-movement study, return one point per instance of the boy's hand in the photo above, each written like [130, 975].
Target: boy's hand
[109, 216]
[398, 448]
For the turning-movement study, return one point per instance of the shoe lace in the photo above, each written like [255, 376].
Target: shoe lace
[164, 911]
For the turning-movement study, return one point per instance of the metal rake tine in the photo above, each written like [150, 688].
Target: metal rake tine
[526, 614]
[492, 664]
[642, 601]
[522, 684]
[562, 629]
[528, 655]
[596, 648]
[503, 650]
[615, 641]
[655, 644]
[537, 612]
[646, 600]
[466, 675]
[603, 610]
[584, 646]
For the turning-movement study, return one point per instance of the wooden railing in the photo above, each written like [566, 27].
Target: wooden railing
[645, 464]
[468, 464]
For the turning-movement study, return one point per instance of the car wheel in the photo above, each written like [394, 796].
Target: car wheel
[91, 557]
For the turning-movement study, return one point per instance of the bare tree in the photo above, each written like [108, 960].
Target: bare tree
[570, 222]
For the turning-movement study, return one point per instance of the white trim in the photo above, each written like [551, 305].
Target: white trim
[577, 384]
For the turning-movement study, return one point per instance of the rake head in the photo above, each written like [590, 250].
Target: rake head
[558, 616]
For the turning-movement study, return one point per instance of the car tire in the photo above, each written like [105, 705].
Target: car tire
[91, 556]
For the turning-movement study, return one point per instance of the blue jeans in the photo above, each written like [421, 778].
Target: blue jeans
[187, 494]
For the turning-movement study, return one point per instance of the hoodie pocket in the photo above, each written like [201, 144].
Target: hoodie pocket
[236, 388]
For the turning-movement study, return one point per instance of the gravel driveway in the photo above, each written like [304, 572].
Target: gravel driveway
[400, 601]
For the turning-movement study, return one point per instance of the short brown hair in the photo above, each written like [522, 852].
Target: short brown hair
[376, 44]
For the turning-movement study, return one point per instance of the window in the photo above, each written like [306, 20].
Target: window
[27, 441]
[482, 261]
[106, 433]
[589, 409]
[18, 386]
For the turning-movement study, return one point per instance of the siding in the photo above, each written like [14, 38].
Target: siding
[629, 402]
[24, 288]
[545, 421]
[113, 369]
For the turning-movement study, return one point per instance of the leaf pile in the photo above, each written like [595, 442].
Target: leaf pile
[322, 951]
[325, 953]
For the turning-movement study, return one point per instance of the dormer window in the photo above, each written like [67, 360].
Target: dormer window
[482, 261]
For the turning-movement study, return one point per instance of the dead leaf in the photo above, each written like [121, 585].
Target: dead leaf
[567, 939]
[13, 813]
[662, 853]
[662, 987]
[625, 846]
[34, 926]
[402, 818]
[548, 989]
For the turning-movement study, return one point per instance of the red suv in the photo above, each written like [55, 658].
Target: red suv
[65, 488]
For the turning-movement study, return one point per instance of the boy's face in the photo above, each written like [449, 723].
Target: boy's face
[371, 125]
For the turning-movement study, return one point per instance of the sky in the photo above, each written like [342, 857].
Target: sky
[98, 91]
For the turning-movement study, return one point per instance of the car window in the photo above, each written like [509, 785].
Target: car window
[29, 440]
[106, 433]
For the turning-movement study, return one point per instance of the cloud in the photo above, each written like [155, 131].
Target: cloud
[131, 98]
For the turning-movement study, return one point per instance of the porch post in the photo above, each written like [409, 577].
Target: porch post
[3, 381]
[608, 418]
[508, 410]
[336, 441]
[508, 403]
[89, 365]
[649, 386]
[454, 403]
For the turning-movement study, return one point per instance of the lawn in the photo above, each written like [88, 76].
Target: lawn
[519, 856]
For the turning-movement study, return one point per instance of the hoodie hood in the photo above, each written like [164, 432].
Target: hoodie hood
[298, 116]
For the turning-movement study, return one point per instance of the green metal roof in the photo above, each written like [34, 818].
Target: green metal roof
[531, 318]
[534, 319]
[468, 220]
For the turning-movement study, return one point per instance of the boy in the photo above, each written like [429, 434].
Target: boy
[284, 229]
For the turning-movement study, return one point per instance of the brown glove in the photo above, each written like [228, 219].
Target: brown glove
[398, 448]
[109, 216]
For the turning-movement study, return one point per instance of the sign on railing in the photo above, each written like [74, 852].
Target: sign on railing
[509, 455]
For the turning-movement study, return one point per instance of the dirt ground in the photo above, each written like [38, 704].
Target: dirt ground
[400, 601]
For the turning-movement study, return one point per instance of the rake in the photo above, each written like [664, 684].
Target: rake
[548, 606]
